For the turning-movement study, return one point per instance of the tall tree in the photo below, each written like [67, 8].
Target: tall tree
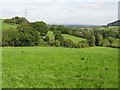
[92, 41]
[99, 40]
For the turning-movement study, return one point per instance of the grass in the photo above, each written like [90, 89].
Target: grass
[66, 36]
[5, 26]
[115, 28]
[57, 67]
[73, 38]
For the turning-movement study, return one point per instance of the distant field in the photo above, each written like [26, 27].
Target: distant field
[5, 26]
[52, 67]
[115, 28]
[66, 36]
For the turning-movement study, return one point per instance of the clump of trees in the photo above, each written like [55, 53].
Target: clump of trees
[22, 36]
[16, 20]
[40, 27]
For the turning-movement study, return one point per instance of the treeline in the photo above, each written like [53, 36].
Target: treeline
[94, 37]
[35, 34]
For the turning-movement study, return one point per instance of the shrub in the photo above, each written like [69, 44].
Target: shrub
[57, 43]
[47, 38]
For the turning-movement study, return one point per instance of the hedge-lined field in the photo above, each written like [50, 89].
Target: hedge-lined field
[67, 36]
[57, 67]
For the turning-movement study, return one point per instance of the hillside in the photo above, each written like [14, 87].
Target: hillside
[5, 26]
[115, 23]
[66, 36]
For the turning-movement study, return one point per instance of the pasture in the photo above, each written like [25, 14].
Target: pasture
[57, 67]
[66, 36]
[115, 28]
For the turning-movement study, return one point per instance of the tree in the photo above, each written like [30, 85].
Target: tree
[69, 43]
[105, 43]
[99, 40]
[47, 38]
[28, 36]
[53, 27]
[21, 21]
[41, 27]
[58, 36]
[62, 29]
[92, 41]
[83, 44]
[57, 43]
[111, 39]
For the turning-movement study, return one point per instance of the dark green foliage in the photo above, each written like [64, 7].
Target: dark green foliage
[47, 38]
[17, 20]
[83, 44]
[62, 29]
[57, 43]
[53, 27]
[69, 43]
[111, 39]
[22, 21]
[92, 41]
[41, 27]
[23, 36]
[9, 21]
[99, 40]
[58, 36]
[105, 42]
[9, 38]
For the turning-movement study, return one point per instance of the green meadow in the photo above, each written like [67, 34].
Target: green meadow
[115, 28]
[57, 67]
[66, 36]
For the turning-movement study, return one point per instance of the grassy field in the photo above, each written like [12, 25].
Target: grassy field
[57, 67]
[5, 26]
[66, 36]
[115, 28]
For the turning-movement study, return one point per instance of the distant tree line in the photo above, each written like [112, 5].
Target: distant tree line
[35, 34]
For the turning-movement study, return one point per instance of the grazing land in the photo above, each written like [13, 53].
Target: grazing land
[57, 67]
[114, 28]
[67, 36]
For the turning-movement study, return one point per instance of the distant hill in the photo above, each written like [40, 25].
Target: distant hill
[116, 23]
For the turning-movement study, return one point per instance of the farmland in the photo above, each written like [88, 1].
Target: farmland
[57, 67]
[114, 28]
[66, 36]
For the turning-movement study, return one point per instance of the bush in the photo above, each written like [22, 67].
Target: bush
[83, 44]
[57, 43]
[105, 43]
[47, 39]
[111, 39]
[69, 43]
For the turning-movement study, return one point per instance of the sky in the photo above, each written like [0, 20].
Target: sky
[93, 12]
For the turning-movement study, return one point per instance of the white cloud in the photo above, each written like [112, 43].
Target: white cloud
[68, 11]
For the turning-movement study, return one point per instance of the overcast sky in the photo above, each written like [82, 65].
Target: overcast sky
[62, 11]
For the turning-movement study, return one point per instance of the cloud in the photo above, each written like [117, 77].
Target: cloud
[59, 1]
[69, 12]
